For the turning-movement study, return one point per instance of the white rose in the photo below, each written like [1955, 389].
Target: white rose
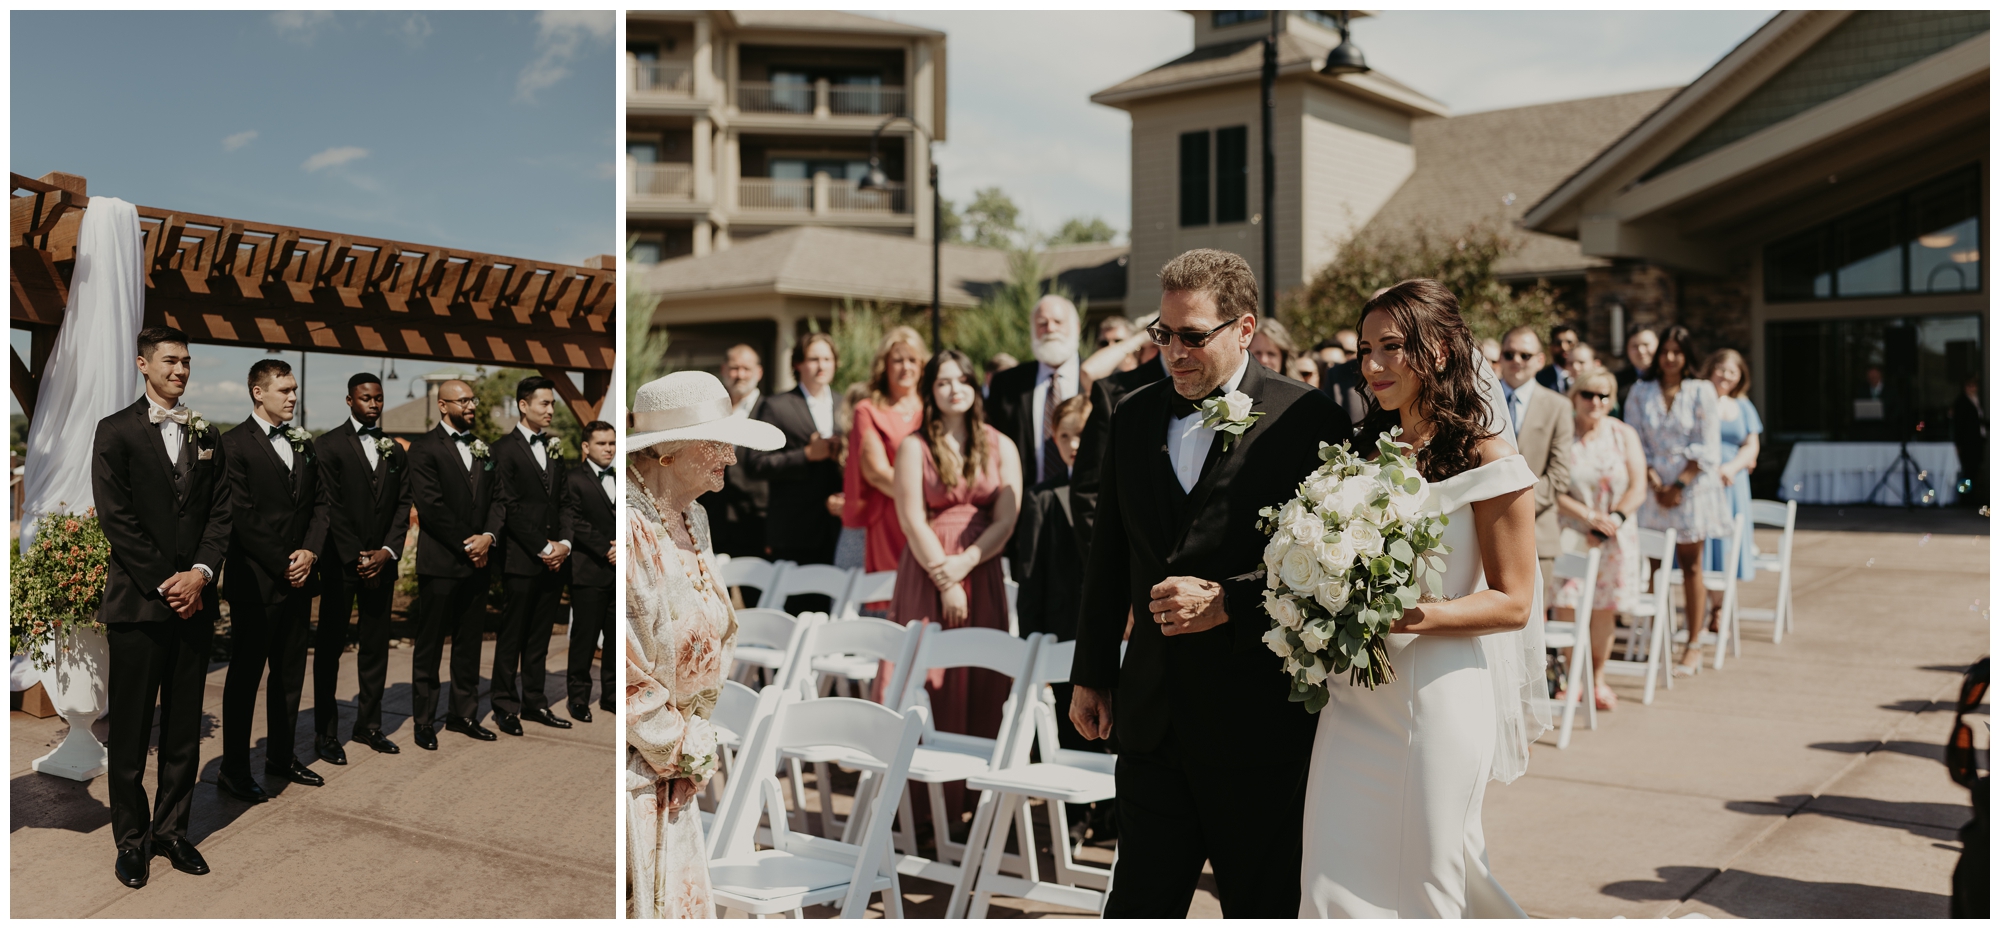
[1304, 525]
[1406, 506]
[1316, 489]
[700, 739]
[1366, 539]
[1315, 636]
[1237, 405]
[1274, 551]
[1300, 570]
[1335, 557]
[1316, 672]
[1283, 610]
[1333, 595]
[1292, 665]
[1275, 638]
[1352, 498]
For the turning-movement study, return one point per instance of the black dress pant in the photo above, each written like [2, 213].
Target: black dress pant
[521, 656]
[264, 635]
[167, 662]
[340, 591]
[455, 607]
[589, 629]
[1177, 809]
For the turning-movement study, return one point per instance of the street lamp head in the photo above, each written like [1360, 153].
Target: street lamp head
[874, 179]
[1346, 57]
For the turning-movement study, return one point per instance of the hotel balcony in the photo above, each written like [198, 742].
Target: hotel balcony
[821, 99]
[663, 78]
[797, 199]
[662, 181]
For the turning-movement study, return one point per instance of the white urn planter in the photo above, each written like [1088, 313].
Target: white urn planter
[76, 685]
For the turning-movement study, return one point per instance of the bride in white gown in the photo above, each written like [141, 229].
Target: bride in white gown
[1392, 826]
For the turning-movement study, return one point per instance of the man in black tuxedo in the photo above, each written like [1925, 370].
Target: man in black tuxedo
[156, 475]
[451, 486]
[368, 519]
[1021, 399]
[276, 533]
[802, 525]
[591, 501]
[531, 464]
[1176, 544]
[1105, 395]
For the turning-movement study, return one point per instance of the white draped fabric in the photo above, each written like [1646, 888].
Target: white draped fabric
[1845, 473]
[89, 374]
[1518, 661]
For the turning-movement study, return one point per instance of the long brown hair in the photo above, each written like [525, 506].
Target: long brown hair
[1440, 352]
[878, 373]
[950, 467]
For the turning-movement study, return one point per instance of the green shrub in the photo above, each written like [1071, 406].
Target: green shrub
[1462, 261]
[56, 588]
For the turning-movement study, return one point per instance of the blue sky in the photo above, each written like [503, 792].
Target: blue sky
[492, 132]
[1020, 82]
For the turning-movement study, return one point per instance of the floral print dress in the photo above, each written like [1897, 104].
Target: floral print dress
[1598, 476]
[680, 635]
[1690, 430]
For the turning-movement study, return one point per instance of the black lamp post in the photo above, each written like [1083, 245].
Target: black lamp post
[876, 180]
[1270, 99]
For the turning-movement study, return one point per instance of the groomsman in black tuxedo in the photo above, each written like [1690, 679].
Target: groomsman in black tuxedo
[276, 533]
[591, 503]
[156, 475]
[531, 463]
[452, 488]
[1175, 544]
[368, 493]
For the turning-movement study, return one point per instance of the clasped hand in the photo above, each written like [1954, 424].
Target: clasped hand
[476, 548]
[300, 567]
[183, 592]
[1183, 605]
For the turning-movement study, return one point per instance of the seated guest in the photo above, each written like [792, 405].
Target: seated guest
[802, 524]
[1555, 376]
[1607, 482]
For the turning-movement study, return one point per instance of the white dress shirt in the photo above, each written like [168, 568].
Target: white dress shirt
[541, 452]
[1518, 399]
[464, 448]
[1188, 442]
[821, 408]
[368, 449]
[279, 443]
[748, 404]
[1066, 378]
[171, 434]
[611, 486]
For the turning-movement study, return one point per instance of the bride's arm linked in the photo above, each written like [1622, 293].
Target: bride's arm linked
[1506, 528]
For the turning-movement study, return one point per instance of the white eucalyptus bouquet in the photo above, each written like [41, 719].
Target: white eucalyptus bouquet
[1346, 558]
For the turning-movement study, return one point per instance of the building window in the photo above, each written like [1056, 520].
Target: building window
[1221, 18]
[1923, 241]
[1816, 370]
[1194, 178]
[1320, 18]
[644, 51]
[1232, 174]
[645, 251]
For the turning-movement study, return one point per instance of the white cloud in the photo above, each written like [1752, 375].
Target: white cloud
[562, 35]
[234, 142]
[334, 157]
[413, 30]
[301, 26]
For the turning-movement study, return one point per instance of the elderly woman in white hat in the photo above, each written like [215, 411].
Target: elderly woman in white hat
[680, 630]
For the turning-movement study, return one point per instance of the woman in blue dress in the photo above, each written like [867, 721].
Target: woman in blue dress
[1741, 441]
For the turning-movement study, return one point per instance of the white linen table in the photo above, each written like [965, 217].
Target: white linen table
[1843, 473]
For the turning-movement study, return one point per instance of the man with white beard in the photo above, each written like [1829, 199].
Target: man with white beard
[1022, 400]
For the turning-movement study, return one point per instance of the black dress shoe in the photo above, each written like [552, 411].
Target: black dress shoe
[132, 867]
[329, 750]
[374, 739]
[579, 712]
[181, 854]
[295, 772]
[242, 787]
[427, 739]
[546, 718]
[507, 723]
[474, 729]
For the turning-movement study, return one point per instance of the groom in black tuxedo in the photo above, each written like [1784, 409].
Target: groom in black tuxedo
[451, 486]
[1213, 755]
[530, 463]
[156, 474]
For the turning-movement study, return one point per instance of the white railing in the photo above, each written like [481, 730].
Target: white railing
[659, 77]
[845, 197]
[669, 181]
[766, 97]
[775, 194]
[820, 98]
[818, 196]
[865, 101]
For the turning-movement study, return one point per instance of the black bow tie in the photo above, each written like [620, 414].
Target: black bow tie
[1180, 407]
[541, 437]
[275, 432]
[607, 472]
[375, 431]
[462, 438]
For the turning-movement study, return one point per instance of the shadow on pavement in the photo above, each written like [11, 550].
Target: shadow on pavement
[1933, 520]
[1899, 746]
[1750, 895]
[1915, 817]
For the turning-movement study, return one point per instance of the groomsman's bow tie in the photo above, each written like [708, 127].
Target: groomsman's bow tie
[541, 437]
[462, 438]
[607, 473]
[375, 431]
[1180, 407]
[274, 432]
[179, 414]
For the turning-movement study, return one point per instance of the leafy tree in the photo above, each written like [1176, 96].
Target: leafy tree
[1079, 231]
[645, 346]
[495, 392]
[857, 330]
[991, 220]
[1462, 261]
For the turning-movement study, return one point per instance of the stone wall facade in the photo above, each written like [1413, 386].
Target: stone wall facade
[1715, 308]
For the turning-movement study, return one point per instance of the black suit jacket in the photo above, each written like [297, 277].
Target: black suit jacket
[1223, 683]
[1554, 377]
[532, 499]
[592, 526]
[797, 517]
[1343, 383]
[1010, 407]
[367, 508]
[1047, 562]
[452, 505]
[155, 530]
[1105, 396]
[278, 511]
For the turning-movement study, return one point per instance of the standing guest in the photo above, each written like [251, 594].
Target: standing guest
[1581, 358]
[958, 492]
[1544, 429]
[1968, 432]
[156, 474]
[1607, 482]
[1272, 345]
[1001, 361]
[1117, 357]
[680, 631]
[1342, 382]
[1741, 436]
[1049, 566]
[1348, 340]
[1556, 375]
[368, 522]
[452, 488]
[532, 467]
[893, 409]
[737, 510]
[1680, 427]
[1112, 330]
[852, 549]
[1639, 350]
[1329, 352]
[588, 501]
[1305, 368]
[1105, 395]
[1490, 350]
[276, 534]
[1024, 399]
[803, 522]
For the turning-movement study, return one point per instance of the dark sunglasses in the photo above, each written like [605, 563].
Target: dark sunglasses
[1162, 335]
[1517, 356]
[1592, 395]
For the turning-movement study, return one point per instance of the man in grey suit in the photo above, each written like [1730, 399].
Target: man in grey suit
[1544, 427]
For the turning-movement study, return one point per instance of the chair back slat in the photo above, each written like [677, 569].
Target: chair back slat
[735, 826]
[735, 710]
[751, 571]
[822, 579]
[874, 587]
[866, 637]
[1773, 513]
[766, 627]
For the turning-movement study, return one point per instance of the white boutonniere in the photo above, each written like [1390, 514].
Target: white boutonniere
[196, 424]
[385, 445]
[1229, 415]
[479, 449]
[298, 437]
[555, 448]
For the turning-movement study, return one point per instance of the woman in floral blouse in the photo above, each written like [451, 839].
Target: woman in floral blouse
[680, 632]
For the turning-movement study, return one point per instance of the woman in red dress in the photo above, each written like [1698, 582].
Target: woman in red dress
[892, 410]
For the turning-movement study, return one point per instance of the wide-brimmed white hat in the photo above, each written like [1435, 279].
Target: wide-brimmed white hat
[693, 405]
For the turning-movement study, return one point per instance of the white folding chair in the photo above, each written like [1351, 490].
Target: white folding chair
[738, 714]
[800, 870]
[874, 587]
[1575, 636]
[1063, 777]
[751, 571]
[822, 579]
[1647, 638]
[845, 649]
[1719, 582]
[1013, 608]
[767, 640]
[1772, 514]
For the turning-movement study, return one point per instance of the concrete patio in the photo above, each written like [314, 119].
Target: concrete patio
[521, 827]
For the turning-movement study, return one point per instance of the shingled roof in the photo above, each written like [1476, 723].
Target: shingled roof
[1230, 62]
